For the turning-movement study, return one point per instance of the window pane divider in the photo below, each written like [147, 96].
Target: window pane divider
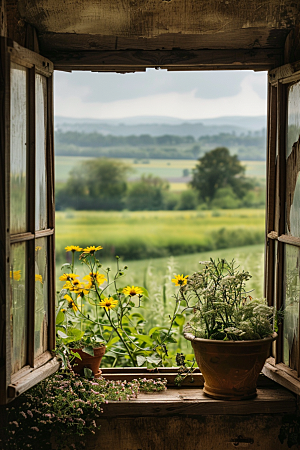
[20, 237]
[285, 238]
[280, 206]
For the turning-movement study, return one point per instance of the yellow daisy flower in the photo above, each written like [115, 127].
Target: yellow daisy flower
[77, 287]
[73, 248]
[68, 277]
[133, 290]
[39, 278]
[92, 249]
[71, 302]
[180, 280]
[99, 277]
[108, 303]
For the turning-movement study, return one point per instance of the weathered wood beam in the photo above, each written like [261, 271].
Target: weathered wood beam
[123, 61]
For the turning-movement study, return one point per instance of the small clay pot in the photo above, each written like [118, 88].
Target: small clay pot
[88, 361]
[230, 368]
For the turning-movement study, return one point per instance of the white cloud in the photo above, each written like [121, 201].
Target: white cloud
[249, 101]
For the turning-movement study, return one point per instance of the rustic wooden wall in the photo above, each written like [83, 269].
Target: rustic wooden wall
[3, 25]
[179, 433]
[88, 25]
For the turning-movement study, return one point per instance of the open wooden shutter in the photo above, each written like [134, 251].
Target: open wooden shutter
[27, 280]
[283, 221]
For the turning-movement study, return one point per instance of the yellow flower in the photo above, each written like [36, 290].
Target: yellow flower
[108, 303]
[16, 275]
[77, 287]
[63, 310]
[38, 247]
[73, 248]
[180, 280]
[92, 249]
[39, 278]
[71, 302]
[99, 277]
[133, 290]
[68, 277]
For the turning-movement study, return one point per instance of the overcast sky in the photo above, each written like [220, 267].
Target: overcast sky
[186, 95]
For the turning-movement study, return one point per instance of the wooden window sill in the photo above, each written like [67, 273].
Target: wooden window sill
[190, 399]
[193, 402]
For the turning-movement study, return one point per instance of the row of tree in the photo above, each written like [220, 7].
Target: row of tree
[73, 143]
[218, 180]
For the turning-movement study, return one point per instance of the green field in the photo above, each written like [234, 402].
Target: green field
[164, 168]
[140, 235]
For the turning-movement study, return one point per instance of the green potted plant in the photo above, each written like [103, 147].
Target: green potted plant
[230, 331]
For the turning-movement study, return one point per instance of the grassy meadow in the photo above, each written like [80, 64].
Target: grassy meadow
[137, 235]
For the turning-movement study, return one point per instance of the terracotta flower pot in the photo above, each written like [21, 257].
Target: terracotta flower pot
[230, 368]
[88, 361]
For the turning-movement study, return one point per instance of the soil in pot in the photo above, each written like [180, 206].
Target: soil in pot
[88, 361]
[230, 368]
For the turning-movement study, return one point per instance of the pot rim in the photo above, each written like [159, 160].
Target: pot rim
[191, 337]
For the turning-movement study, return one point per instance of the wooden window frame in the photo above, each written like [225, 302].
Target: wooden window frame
[36, 368]
[276, 238]
[11, 386]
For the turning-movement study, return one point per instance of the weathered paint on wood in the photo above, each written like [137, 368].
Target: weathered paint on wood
[90, 25]
[188, 433]
[155, 17]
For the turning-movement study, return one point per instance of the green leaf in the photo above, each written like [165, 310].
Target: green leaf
[62, 335]
[75, 333]
[153, 359]
[76, 355]
[89, 350]
[140, 360]
[88, 373]
[180, 319]
[143, 338]
[145, 292]
[112, 342]
[138, 315]
[60, 317]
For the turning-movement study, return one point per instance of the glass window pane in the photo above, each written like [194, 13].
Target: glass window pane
[18, 306]
[41, 297]
[293, 161]
[41, 126]
[18, 153]
[291, 306]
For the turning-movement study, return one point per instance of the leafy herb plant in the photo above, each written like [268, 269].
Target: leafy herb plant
[219, 305]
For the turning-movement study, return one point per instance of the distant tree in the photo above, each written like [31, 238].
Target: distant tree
[147, 194]
[218, 169]
[188, 200]
[95, 184]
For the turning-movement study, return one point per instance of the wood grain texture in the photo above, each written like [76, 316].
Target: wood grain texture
[247, 38]
[154, 17]
[283, 375]
[176, 59]
[3, 18]
[217, 432]
[32, 378]
[5, 338]
[193, 402]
